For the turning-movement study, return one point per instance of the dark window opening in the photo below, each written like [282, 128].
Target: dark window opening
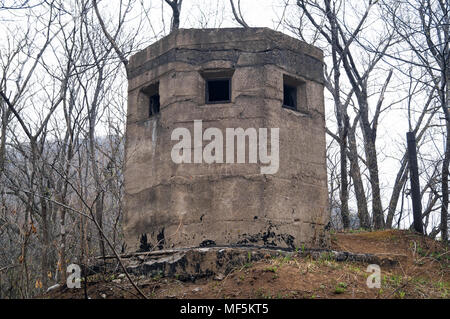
[218, 90]
[290, 97]
[294, 94]
[151, 98]
[153, 105]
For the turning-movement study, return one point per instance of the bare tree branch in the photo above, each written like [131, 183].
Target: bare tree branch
[238, 14]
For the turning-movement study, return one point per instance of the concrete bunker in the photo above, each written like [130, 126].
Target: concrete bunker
[227, 78]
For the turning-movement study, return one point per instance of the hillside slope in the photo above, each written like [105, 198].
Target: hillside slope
[412, 267]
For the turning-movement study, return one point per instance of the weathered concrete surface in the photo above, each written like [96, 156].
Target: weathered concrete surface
[185, 205]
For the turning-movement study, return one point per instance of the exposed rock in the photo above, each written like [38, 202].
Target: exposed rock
[191, 264]
[53, 287]
[219, 277]
[195, 263]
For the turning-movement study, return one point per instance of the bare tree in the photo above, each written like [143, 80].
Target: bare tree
[111, 39]
[424, 27]
[54, 101]
[342, 38]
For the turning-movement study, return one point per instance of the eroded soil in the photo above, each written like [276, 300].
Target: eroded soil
[421, 270]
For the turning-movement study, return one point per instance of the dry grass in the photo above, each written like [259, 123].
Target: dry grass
[423, 271]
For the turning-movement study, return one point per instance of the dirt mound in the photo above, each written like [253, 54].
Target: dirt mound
[420, 268]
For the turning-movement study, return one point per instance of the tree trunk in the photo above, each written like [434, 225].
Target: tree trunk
[45, 244]
[445, 164]
[372, 163]
[5, 119]
[62, 247]
[415, 185]
[355, 173]
[400, 181]
[445, 173]
[344, 185]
